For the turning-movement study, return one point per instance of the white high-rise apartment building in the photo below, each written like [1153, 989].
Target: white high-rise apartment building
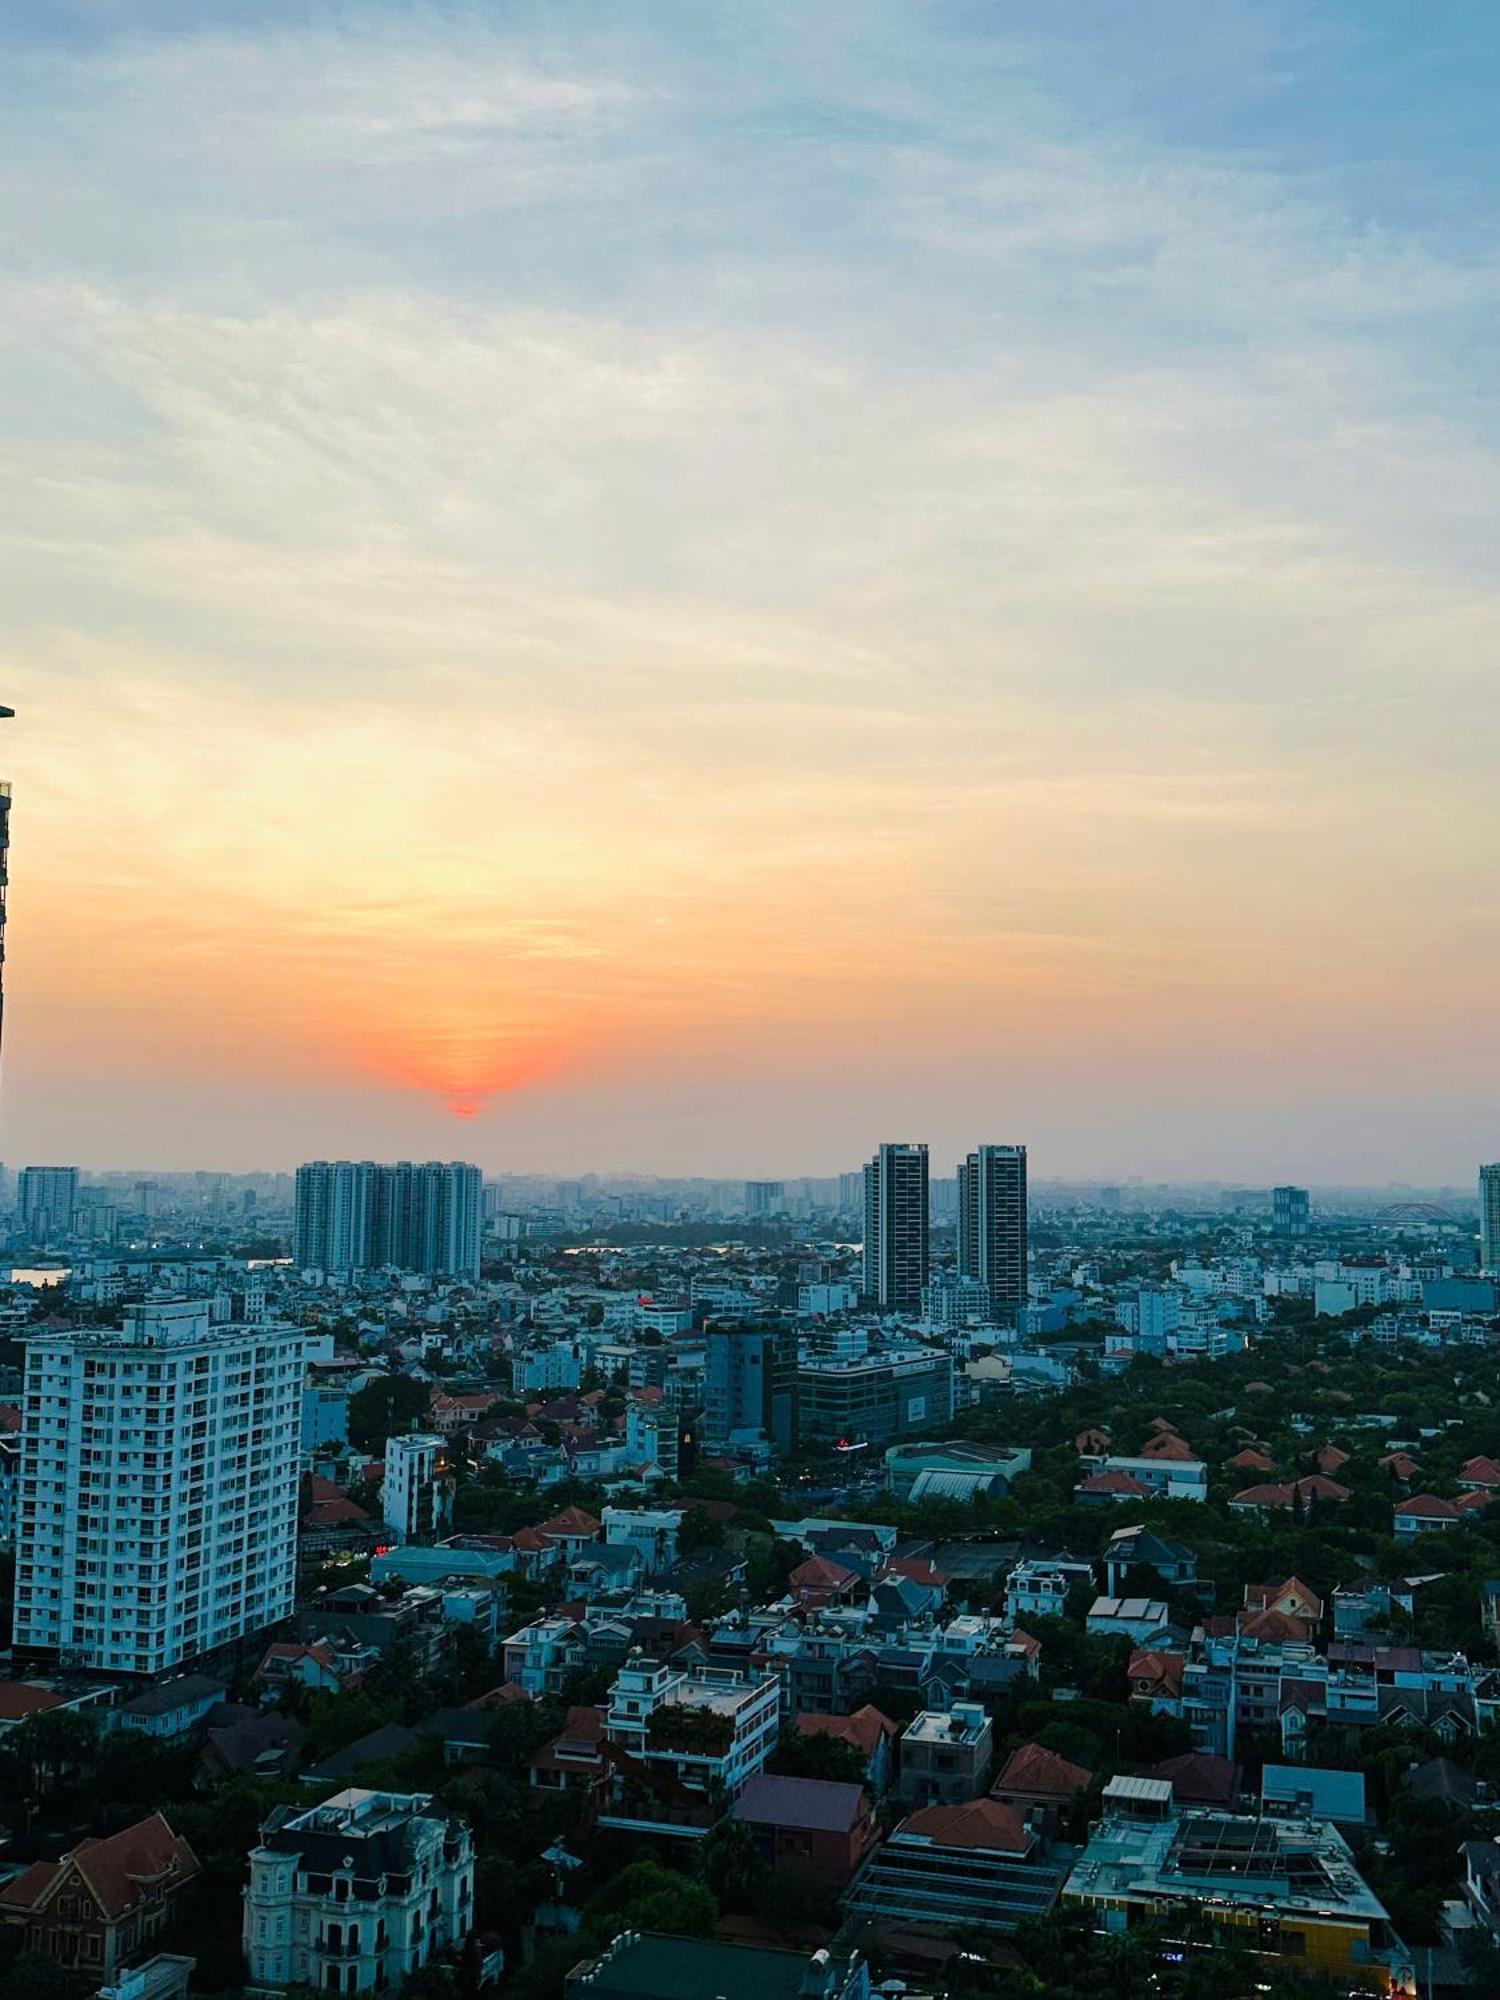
[416, 1495]
[46, 1198]
[158, 1510]
[1489, 1216]
[356, 1215]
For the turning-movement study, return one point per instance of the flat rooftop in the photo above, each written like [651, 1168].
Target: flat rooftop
[1283, 1864]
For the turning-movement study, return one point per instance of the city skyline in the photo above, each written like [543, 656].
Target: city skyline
[686, 592]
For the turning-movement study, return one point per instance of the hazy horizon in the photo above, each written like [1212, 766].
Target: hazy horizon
[686, 585]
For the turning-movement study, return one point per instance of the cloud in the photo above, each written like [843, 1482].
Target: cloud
[539, 558]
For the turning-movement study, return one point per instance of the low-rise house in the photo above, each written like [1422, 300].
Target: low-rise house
[172, 1708]
[1039, 1780]
[1423, 1514]
[872, 1734]
[819, 1582]
[1140, 1619]
[571, 1532]
[1199, 1780]
[651, 1531]
[104, 1902]
[327, 1666]
[542, 1655]
[1290, 1598]
[1361, 1610]
[1155, 1679]
[250, 1743]
[1251, 1460]
[603, 1571]
[574, 1761]
[1480, 1474]
[1310, 1493]
[1131, 1549]
[945, 1755]
[22, 1701]
[1164, 1475]
[1104, 1489]
[1039, 1586]
[813, 1825]
[358, 1893]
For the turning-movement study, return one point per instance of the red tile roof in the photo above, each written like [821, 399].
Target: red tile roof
[1113, 1482]
[1251, 1461]
[1168, 1445]
[818, 1573]
[984, 1823]
[1034, 1772]
[123, 1870]
[19, 1700]
[571, 1521]
[1197, 1779]
[1164, 1669]
[865, 1729]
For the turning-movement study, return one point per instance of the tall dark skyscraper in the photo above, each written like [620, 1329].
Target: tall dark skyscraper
[47, 1197]
[896, 1223]
[992, 1222]
[1290, 1209]
[1489, 1216]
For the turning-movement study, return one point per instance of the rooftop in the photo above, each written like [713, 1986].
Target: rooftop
[1284, 1864]
[813, 1805]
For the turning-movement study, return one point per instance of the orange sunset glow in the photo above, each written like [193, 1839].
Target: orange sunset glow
[515, 618]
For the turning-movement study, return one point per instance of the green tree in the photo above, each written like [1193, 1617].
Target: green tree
[819, 1756]
[384, 1408]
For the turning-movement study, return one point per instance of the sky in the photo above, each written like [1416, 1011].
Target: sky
[690, 588]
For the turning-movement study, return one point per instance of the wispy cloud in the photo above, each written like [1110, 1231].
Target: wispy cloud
[591, 555]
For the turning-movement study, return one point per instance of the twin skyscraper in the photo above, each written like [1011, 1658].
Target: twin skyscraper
[992, 1225]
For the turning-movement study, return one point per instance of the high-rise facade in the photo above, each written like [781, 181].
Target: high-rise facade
[158, 1511]
[46, 1198]
[993, 1222]
[332, 1227]
[750, 1386]
[356, 1215]
[1291, 1209]
[416, 1495]
[1489, 1216]
[896, 1228]
[763, 1198]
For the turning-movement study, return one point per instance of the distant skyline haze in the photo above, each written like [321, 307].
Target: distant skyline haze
[695, 590]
